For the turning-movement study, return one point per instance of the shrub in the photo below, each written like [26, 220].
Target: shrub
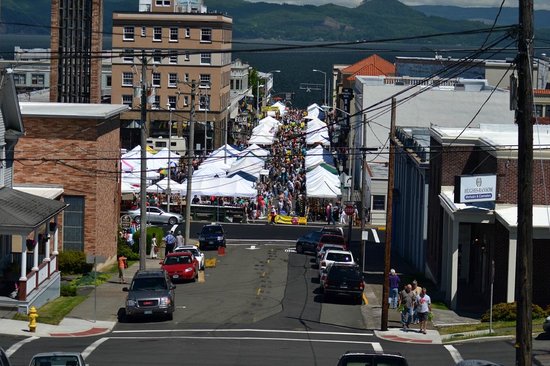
[73, 262]
[508, 312]
[68, 289]
[132, 252]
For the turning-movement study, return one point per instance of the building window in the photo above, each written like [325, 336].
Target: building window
[73, 223]
[109, 81]
[127, 79]
[128, 56]
[206, 58]
[37, 79]
[538, 110]
[127, 99]
[547, 111]
[204, 102]
[20, 79]
[172, 80]
[186, 77]
[156, 103]
[128, 34]
[206, 35]
[157, 56]
[172, 101]
[156, 79]
[205, 81]
[173, 34]
[185, 100]
[186, 56]
[378, 202]
[143, 31]
[157, 34]
[173, 58]
[162, 2]
[187, 32]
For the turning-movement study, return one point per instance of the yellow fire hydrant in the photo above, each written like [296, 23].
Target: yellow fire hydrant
[32, 319]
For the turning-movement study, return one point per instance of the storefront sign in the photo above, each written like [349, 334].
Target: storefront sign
[475, 188]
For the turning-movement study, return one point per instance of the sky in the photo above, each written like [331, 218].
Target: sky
[539, 4]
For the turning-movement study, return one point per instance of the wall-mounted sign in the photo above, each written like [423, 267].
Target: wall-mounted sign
[475, 188]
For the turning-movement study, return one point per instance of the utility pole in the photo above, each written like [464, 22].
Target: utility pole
[143, 170]
[389, 217]
[525, 119]
[190, 155]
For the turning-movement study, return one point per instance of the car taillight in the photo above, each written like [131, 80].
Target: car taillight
[362, 285]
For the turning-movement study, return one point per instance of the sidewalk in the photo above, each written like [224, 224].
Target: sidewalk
[95, 315]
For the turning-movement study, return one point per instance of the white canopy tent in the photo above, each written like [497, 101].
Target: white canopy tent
[321, 183]
[222, 187]
[317, 132]
[255, 150]
[162, 185]
[318, 155]
[249, 164]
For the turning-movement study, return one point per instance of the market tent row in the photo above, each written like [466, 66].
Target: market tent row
[318, 155]
[264, 133]
[321, 182]
[315, 112]
[317, 132]
[234, 186]
[162, 185]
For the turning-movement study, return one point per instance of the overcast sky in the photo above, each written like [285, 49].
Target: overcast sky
[539, 4]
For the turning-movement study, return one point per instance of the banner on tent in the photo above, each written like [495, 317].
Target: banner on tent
[290, 220]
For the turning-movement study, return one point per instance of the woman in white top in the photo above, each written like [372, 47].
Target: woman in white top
[154, 246]
[424, 306]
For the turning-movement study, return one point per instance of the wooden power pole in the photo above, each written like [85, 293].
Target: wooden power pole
[389, 217]
[524, 119]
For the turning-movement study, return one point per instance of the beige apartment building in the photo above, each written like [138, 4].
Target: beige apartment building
[182, 42]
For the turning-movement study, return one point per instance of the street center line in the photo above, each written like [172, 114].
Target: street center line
[251, 339]
[377, 347]
[19, 344]
[454, 353]
[93, 346]
[242, 331]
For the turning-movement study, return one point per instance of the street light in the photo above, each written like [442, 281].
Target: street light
[168, 192]
[324, 85]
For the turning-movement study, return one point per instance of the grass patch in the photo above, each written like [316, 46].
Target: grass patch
[439, 305]
[500, 328]
[54, 311]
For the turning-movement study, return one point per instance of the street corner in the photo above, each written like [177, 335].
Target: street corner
[409, 336]
[73, 327]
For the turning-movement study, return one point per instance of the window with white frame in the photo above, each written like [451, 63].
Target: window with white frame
[173, 34]
[156, 103]
[127, 99]
[206, 35]
[172, 101]
[127, 79]
[187, 32]
[172, 80]
[204, 102]
[157, 56]
[143, 31]
[186, 56]
[128, 33]
[157, 34]
[156, 79]
[378, 202]
[20, 79]
[173, 57]
[205, 81]
[162, 2]
[186, 77]
[128, 56]
[37, 79]
[186, 100]
[206, 58]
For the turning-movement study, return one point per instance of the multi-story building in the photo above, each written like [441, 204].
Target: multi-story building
[76, 44]
[179, 42]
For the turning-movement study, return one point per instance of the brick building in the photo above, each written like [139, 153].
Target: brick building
[77, 147]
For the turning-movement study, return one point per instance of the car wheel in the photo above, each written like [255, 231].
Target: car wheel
[170, 316]
[299, 248]
[137, 219]
[172, 221]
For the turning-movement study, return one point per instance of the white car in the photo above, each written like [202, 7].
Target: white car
[324, 250]
[195, 251]
[331, 256]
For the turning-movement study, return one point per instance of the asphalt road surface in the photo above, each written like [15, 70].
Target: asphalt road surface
[259, 305]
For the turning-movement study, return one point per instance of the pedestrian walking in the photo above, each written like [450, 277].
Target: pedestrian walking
[122, 264]
[179, 239]
[416, 290]
[170, 241]
[330, 218]
[407, 300]
[424, 308]
[154, 246]
[394, 289]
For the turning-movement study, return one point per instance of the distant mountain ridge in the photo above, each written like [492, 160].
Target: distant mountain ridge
[372, 20]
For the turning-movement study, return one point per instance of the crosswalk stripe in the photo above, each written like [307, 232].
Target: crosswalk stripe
[19, 344]
[93, 346]
[454, 353]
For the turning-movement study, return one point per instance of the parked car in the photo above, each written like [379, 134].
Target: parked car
[4, 359]
[181, 266]
[308, 242]
[58, 359]
[332, 229]
[333, 240]
[364, 358]
[546, 325]
[195, 251]
[150, 293]
[343, 279]
[157, 215]
[323, 250]
[211, 236]
[338, 256]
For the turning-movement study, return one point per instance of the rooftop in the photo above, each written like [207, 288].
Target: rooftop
[71, 110]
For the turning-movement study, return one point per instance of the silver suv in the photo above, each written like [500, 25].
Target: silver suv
[150, 293]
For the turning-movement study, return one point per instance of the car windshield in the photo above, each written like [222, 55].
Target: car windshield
[339, 257]
[184, 259]
[330, 247]
[344, 273]
[149, 284]
[212, 230]
[55, 361]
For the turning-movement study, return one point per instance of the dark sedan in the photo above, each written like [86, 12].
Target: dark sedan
[308, 242]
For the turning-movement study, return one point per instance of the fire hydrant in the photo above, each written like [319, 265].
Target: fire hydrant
[32, 319]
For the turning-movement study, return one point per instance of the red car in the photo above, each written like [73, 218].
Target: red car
[331, 239]
[181, 266]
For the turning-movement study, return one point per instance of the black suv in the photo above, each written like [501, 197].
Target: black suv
[150, 293]
[211, 236]
[344, 280]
